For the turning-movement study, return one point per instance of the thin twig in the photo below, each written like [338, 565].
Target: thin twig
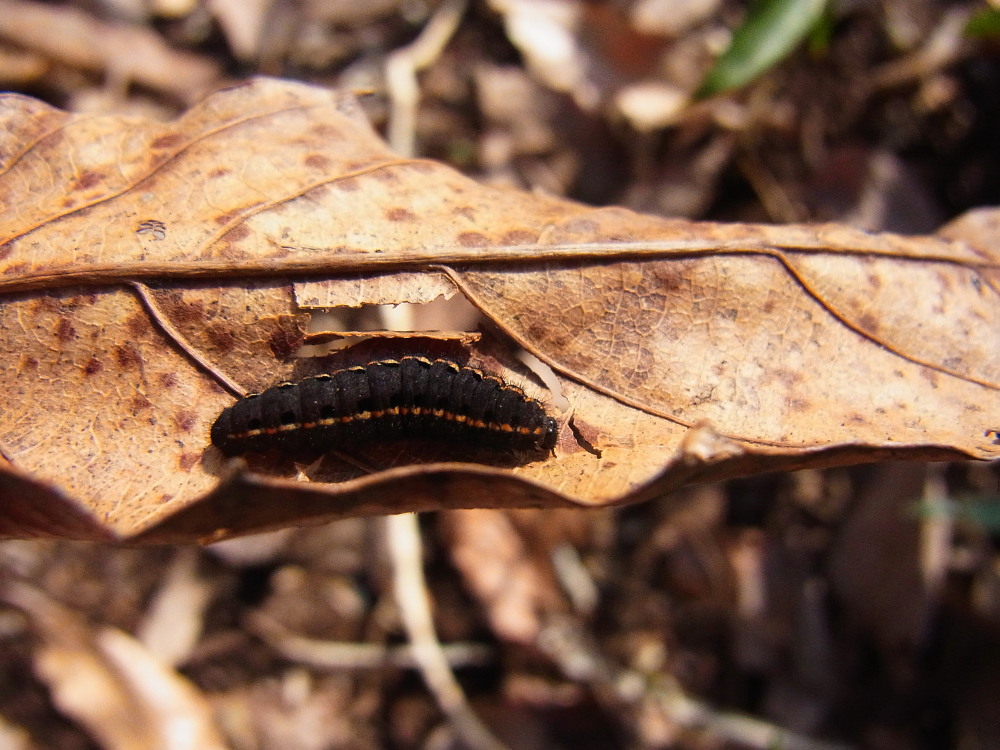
[578, 658]
[745, 730]
[401, 73]
[403, 536]
[340, 655]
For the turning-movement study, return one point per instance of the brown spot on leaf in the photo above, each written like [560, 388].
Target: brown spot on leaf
[318, 192]
[46, 303]
[167, 141]
[86, 180]
[128, 356]
[93, 366]
[187, 461]
[385, 176]
[182, 312]
[185, 420]
[137, 325]
[139, 403]
[798, 404]
[668, 276]
[637, 378]
[65, 330]
[168, 380]
[955, 364]
[222, 338]
[519, 237]
[789, 378]
[868, 323]
[466, 212]
[286, 340]
[215, 389]
[218, 172]
[6, 249]
[15, 269]
[472, 239]
[319, 162]
[227, 218]
[536, 329]
[400, 214]
[236, 234]
[348, 184]
[325, 131]
[232, 252]
[28, 363]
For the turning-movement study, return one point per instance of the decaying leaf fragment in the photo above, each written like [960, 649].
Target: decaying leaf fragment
[108, 682]
[153, 272]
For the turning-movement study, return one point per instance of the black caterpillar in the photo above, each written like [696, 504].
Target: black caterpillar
[391, 399]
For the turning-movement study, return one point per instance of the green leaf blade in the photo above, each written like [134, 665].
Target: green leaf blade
[772, 29]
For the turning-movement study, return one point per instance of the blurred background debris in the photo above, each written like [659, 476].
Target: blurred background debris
[851, 608]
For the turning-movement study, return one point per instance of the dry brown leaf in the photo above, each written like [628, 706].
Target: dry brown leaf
[122, 52]
[145, 264]
[503, 573]
[110, 683]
